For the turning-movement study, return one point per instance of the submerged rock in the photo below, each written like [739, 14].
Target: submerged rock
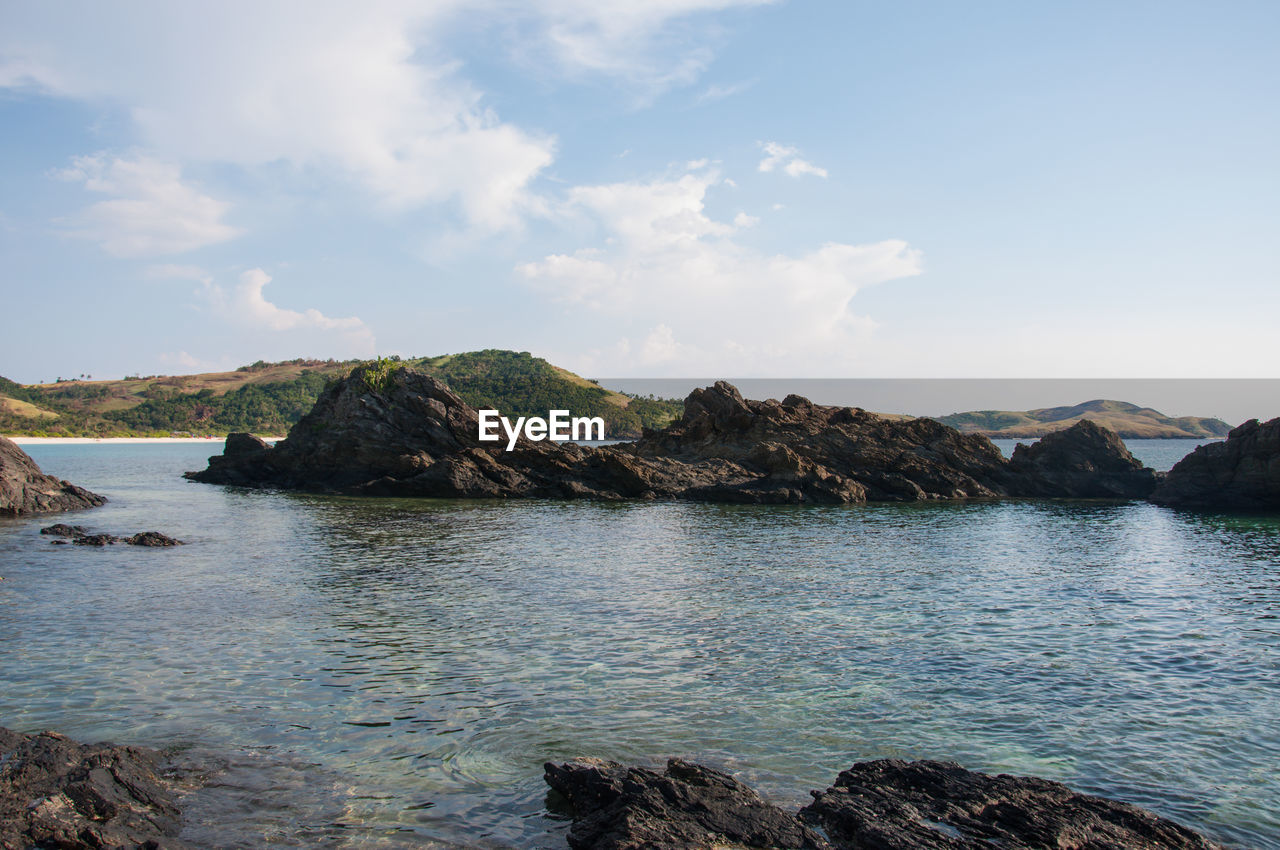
[687, 806]
[877, 805]
[404, 433]
[80, 536]
[55, 792]
[1241, 473]
[891, 804]
[24, 489]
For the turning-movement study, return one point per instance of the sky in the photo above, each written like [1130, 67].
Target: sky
[660, 189]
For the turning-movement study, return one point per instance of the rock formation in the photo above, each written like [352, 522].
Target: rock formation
[81, 536]
[24, 489]
[632, 808]
[404, 433]
[1241, 473]
[877, 805]
[55, 792]
[929, 805]
[1085, 461]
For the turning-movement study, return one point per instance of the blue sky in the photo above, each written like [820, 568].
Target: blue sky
[685, 187]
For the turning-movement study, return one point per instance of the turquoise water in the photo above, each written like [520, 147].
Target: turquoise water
[388, 673]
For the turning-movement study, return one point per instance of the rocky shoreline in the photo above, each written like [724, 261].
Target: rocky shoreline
[55, 792]
[877, 805]
[406, 434]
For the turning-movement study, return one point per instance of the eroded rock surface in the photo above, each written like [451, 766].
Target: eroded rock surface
[24, 489]
[928, 805]
[1240, 473]
[1085, 461]
[687, 806]
[55, 792]
[404, 433]
[876, 805]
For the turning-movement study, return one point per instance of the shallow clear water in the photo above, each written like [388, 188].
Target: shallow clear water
[391, 673]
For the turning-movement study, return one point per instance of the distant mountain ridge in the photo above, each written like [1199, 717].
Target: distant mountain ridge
[1129, 420]
[268, 398]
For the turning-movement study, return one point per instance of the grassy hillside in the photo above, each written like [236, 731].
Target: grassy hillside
[1129, 420]
[267, 398]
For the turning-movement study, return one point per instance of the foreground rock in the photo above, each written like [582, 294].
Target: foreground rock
[1241, 473]
[877, 805]
[80, 536]
[404, 433]
[891, 804]
[1085, 461]
[57, 793]
[632, 808]
[24, 489]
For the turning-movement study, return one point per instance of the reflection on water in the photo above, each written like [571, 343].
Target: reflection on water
[392, 673]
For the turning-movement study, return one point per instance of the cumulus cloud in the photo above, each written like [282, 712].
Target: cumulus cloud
[690, 295]
[152, 212]
[787, 159]
[374, 97]
[245, 305]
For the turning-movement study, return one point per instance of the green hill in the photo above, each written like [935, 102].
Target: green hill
[267, 398]
[1129, 420]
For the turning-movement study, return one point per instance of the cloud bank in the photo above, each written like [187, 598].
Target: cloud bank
[694, 293]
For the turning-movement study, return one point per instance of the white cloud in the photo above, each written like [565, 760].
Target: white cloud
[742, 220]
[373, 96]
[152, 211]
[788, 159]
[653, 45]
[245, 305]
[702, 301]
[716, 91]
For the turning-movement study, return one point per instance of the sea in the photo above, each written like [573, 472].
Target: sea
[382, 673]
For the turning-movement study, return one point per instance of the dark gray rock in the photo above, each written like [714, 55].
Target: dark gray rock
[929, 805]
[876, 805]
[61, 529]
[240, 443]
[403, 433]
[24, 489]
[151, 538]
[1242, 473]
[687, 806]
[1085, 461]
[80, 536]
[55, 792]
[96, 540]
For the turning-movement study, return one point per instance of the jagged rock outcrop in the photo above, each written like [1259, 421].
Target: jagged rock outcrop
[1241, 473]
[24, 489]
[55, 792]
[1085, 461]
[877, 805]
[929, 805]
[633, 808]
[403, 433]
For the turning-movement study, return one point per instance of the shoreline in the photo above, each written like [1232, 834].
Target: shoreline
[38, 441]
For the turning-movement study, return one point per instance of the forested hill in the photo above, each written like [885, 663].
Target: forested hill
[267, 398]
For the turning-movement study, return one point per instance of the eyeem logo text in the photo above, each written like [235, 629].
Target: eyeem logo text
[558, 428]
